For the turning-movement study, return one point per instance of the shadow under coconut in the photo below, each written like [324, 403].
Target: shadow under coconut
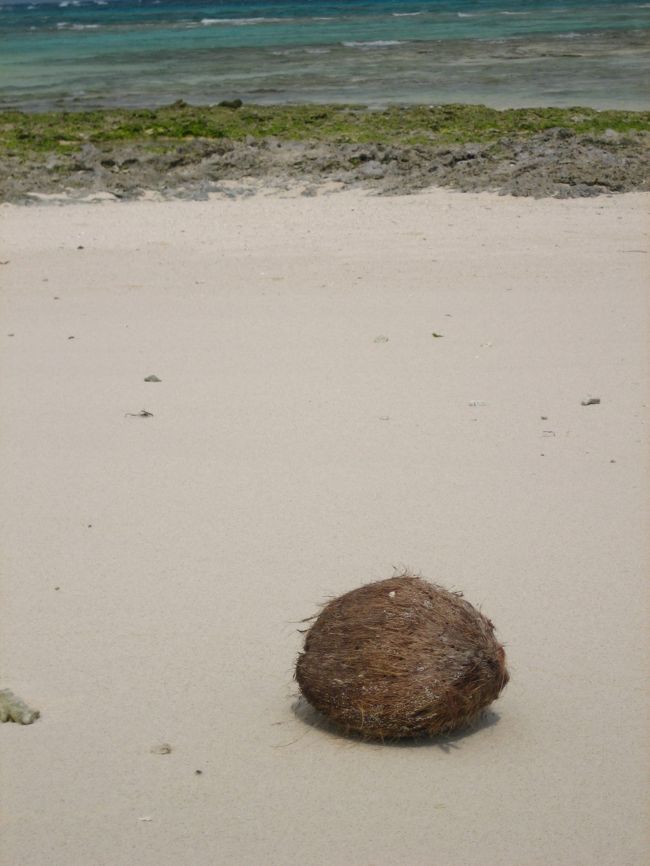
[306, 714]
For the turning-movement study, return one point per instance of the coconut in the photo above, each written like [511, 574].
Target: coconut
[401, 658]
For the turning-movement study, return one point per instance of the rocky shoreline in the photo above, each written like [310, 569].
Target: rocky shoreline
[557, 162]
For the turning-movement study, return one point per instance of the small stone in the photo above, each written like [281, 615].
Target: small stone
[152, 378]
[162, 749]
[591, 401]
[382, 338]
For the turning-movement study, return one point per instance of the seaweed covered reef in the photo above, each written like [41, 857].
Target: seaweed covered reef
[188, 151]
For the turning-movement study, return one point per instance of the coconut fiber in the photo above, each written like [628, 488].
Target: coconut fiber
[401, 658]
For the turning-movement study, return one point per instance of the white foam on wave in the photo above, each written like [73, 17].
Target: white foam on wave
[465, 15]
[406, 14]
[239, 22]
[507, 12]
[293, 52]
[376, 43]
[66, 25]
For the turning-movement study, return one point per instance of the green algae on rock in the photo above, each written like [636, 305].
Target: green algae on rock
[191, 152]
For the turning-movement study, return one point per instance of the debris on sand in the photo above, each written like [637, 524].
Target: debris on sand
[141, 414]
[14, 709]
[401, 658]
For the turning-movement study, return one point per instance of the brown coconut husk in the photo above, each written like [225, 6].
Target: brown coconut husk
[401, 658]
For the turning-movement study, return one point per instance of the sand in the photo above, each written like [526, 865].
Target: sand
[156, 568]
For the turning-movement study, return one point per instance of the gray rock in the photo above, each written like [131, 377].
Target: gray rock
[373, 169]
[550, 163]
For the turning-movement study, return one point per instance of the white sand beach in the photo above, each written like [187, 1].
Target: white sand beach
[308, 435]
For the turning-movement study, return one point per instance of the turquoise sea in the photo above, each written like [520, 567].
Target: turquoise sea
[78, 54]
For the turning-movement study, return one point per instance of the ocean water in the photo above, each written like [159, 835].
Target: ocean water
[77, 54]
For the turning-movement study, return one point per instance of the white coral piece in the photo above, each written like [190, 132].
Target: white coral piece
[13, 709]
